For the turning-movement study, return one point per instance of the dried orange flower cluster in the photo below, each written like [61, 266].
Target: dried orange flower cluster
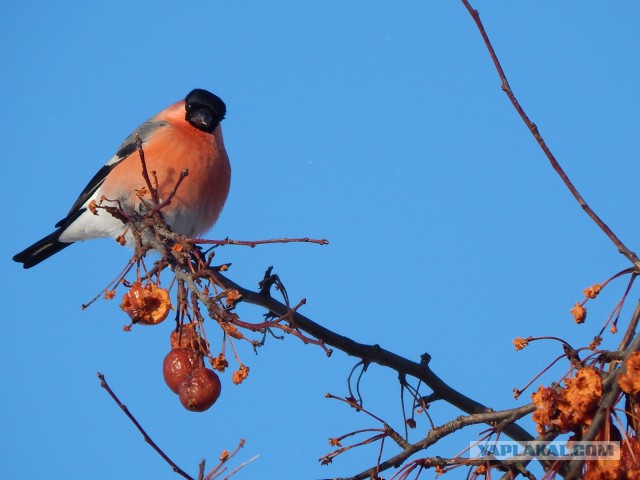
[595, 343]
[240, 374]
[148, 305]
[579, 313]
[481, 470]
[334, 442]
[220, 363]
[187, 337]
[592, 291]
[629, 381]
[626, 468]
[520, 343]
[224, 456]
[232, 330]
[232, 297]
[568, 409]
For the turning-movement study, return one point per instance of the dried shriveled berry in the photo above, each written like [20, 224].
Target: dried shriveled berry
[148, 305]
[186, 336]
[520, 343]
[581, 396]
[220, 363]
[200, 390]
[592, 291]
[240, 374]
[629, 381]
[570, 408]
[579, 313]
[178, 365]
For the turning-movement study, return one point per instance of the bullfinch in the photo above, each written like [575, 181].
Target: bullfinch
[185, 135]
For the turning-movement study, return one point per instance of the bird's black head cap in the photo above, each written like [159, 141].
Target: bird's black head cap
[205, 110]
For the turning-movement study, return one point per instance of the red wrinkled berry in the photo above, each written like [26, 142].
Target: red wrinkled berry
[177, 366]
[200, 390]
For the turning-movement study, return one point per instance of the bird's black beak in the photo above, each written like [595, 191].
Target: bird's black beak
[202, 119]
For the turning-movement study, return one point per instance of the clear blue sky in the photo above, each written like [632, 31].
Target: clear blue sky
[379, 125]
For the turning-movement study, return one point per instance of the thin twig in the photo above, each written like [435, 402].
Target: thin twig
[435, 434]
[159, 206]
[224, 458]
[145, 173]
[253, 243]
[147, 438]
[242, 465]
[622, 248]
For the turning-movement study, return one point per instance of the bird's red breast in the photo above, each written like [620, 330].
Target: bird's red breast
[169, 150]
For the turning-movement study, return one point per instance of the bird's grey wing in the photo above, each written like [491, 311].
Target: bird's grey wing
[145, 131]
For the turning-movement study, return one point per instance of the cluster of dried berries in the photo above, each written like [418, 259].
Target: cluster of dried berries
[628, 466]
[568, 409]
[148, 305]
[185, 374]
[571, 409]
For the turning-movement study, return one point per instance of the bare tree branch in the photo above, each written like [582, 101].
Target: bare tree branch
[147, 438]
[622, 248]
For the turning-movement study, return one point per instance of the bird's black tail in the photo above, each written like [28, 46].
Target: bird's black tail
[41, 250]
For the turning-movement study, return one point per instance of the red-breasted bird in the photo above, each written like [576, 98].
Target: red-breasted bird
[185, 135]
